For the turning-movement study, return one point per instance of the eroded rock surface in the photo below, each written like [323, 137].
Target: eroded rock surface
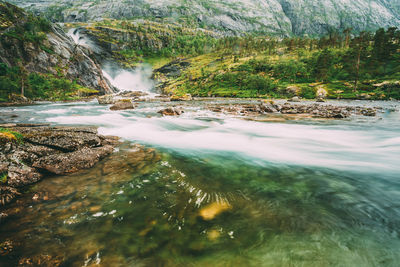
[48, 150]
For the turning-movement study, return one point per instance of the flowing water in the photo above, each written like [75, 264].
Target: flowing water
[207, 189]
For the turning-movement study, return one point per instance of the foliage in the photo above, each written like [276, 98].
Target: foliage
[15, 135]
[3, 178]
[253, 66]
[38, 86]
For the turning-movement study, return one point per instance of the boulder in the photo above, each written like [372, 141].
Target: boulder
[106, 99]
[123, 104]
[186, 97]
[171, 111]
[267, 107]
[66, 140]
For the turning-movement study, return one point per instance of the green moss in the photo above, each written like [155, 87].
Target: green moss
[12, 135]
[3, 178]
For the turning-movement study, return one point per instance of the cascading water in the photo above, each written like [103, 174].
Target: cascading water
[82, 40]
[138, 79]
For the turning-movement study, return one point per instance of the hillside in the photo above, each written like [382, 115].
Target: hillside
[281, 17]
[39, 60]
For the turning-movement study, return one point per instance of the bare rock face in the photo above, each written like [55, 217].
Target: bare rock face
[284, 17]
[44, 150]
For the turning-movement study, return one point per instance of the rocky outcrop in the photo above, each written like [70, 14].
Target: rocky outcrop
[174, 69]
[47, 150]
[312, 109]
[56, 54]
[284, 17]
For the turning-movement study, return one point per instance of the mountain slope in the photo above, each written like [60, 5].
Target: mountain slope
[30, 46]
[283, 17]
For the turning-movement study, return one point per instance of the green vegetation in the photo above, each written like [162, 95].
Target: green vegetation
[12, 135]
[22, 26]
[366, 66]
[3, 178]
[338, 65]
[149, 41]
[38, 86]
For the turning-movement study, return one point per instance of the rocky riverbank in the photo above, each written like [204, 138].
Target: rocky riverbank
[28, 153]
[316, 110]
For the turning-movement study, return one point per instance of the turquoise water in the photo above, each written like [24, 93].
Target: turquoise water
[207, 189]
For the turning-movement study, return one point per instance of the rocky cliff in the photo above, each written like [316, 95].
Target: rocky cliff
[36, 47]
[283, 17]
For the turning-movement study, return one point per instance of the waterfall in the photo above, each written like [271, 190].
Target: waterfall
[138, 79]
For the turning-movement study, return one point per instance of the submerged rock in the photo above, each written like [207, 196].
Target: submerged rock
[123, 104]
[212, 210]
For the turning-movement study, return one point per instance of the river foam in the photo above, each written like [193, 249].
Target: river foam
[370, 145]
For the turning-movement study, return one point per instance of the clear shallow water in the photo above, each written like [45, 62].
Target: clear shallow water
[219, 191]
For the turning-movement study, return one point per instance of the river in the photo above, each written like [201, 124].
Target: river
[207, 189]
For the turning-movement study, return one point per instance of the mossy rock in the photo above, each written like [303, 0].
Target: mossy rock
[8, 136]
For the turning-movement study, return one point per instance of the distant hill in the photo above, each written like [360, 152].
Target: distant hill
[282, 17]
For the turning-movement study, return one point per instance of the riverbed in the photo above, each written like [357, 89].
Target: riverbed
[210, 189]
